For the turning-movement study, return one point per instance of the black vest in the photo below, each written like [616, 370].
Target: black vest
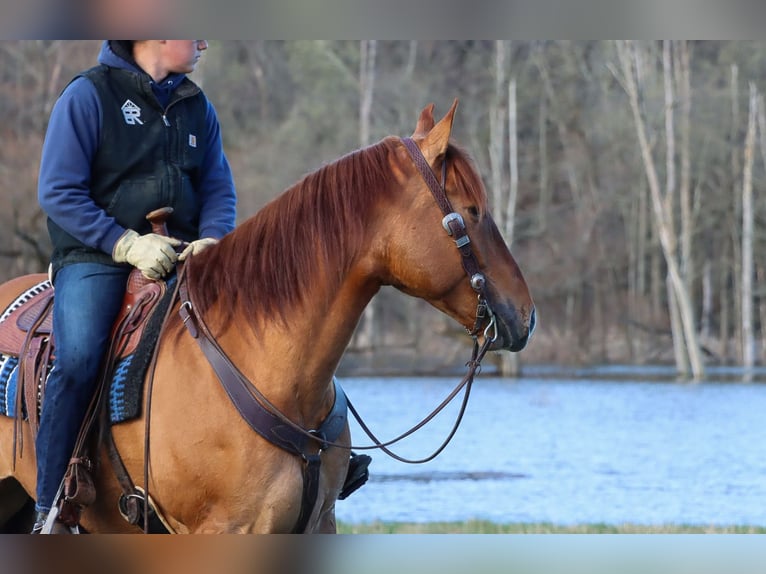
[147, 158]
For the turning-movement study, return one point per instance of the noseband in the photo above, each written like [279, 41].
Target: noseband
[455, 227]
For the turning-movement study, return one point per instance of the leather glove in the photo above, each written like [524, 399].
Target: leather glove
[153, 254]
[196, 247]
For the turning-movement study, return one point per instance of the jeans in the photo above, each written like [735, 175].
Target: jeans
[88, 297]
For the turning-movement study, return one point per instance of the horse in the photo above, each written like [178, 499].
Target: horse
[281, 296]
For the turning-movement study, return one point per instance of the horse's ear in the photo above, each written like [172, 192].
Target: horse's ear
[436, 141]
[425, 122]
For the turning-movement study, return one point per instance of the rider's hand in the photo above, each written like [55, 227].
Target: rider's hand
[153, 254]
[196, 247]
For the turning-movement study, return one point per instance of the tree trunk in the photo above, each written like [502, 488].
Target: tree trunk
[683, 80]
[761, 270]
[368, 49]
[706, 320]
[676, 326]
[513, 165]
[724, 305]
[748, 340]
[367, 337]
[544, 199]
[509, 365]
[736, 214]
[680, 353]
[504, 204]
[760, 273]
[497, 136]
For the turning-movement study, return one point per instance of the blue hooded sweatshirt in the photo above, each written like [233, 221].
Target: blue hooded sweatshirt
[71, 144]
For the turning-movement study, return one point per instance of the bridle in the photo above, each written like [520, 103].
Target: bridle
[455, 227]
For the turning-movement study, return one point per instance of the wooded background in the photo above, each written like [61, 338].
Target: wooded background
[627, 176]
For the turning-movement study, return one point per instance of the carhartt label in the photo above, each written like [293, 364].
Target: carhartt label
[132, 113]
[192, 140]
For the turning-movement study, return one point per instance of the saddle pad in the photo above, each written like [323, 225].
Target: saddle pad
[8, 385]
[124, 393]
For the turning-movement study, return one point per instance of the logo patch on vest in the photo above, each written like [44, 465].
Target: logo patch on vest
[192, 140]
[132, 113]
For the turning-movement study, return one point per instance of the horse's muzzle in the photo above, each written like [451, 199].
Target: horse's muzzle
[513, 330]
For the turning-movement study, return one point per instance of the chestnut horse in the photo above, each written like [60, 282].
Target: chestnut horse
[282, 295]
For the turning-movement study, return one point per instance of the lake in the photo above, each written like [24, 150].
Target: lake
[608, 445]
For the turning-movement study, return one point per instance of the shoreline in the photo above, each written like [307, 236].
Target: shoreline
[486, 527]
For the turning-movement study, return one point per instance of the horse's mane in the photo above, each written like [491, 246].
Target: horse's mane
[270, 262]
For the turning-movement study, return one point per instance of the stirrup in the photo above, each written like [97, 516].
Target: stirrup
[48, 523]
[357, 475]
[40, 518]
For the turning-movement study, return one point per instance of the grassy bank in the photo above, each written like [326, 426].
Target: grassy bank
[483, 527]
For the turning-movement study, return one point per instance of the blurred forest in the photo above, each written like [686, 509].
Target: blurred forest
[628, 177]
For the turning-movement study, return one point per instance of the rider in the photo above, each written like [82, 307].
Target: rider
[126, 137]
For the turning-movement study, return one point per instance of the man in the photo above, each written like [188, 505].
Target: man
[126, 137]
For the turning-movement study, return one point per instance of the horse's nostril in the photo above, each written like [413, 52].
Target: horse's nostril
[532, 322]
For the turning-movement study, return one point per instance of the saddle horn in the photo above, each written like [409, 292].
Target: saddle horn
[158, 218]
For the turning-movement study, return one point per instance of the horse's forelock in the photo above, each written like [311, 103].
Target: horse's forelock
[467, 176]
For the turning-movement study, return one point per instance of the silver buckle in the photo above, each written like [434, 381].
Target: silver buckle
[450, 217]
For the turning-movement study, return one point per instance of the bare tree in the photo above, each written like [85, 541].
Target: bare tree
[368, 51]
[682, 74]
[761, 268]
[497, 134]
[662, 215]
[367, 334]
[679, 345]
[748, 339]
[734, 244]
[504, 202]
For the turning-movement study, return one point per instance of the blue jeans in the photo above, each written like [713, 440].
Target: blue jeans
[88, 297]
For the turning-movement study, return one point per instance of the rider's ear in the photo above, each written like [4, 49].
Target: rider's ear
[434, 145]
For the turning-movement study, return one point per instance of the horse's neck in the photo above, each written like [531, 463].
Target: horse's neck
[300, 357]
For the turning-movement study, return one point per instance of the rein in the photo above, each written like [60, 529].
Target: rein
[474, 367]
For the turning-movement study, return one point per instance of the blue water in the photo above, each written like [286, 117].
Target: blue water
[607, 449]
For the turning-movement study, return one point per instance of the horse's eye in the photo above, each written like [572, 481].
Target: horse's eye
[473, 211]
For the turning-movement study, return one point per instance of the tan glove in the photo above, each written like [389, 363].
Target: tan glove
[196, 247]
[153, 254]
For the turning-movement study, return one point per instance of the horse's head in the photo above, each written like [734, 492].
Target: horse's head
[458, 261]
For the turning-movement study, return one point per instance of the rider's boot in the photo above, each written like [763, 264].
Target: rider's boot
[58, 526]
